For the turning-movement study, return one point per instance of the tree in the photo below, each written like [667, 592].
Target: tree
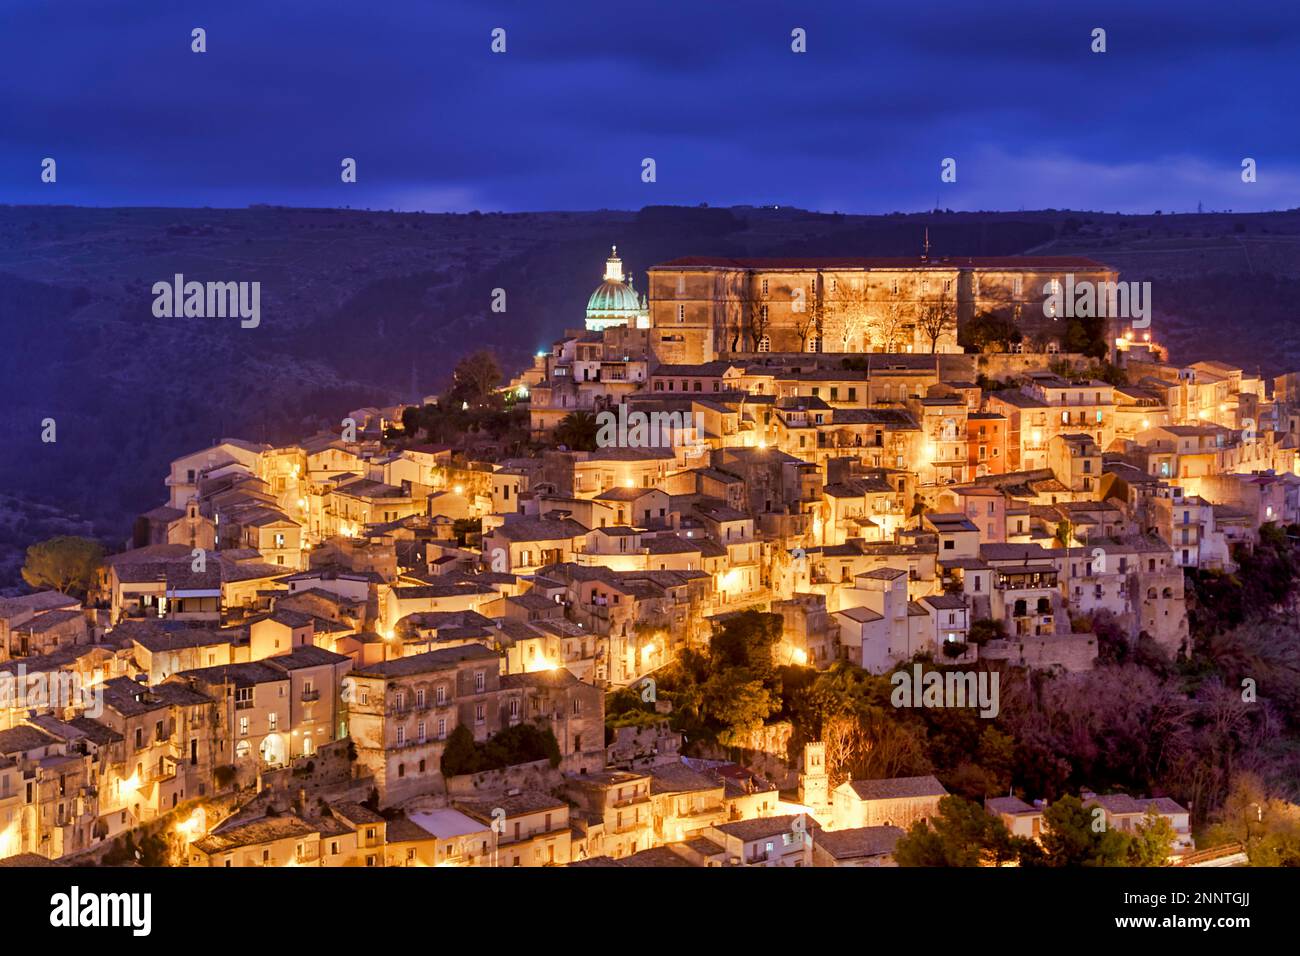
[577, 431]
[810, 316]
[961, 834]
[460, 755]
[852, 306]
[66, 563]
[740, 702]
[476, 378]
[888, 327]
[988, 332]
[1075, 835]
[843, 739]
[756, 309]
[1152, 841]
[412, 416]
[982, 630]
[934, 318]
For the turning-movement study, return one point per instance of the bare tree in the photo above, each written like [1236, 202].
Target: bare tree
[887, 327]
[934, 317]
[852, 317]
[756, 309]
[810, 314]
[844, 740]
[735, 324]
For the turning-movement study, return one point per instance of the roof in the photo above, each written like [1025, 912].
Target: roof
[858, 841]
[445, 824]
[897, 788]
[355, 813]
[406, 830]
[22, 737]
[747, 830]
[678, 778]
[526, 801]
[441, 659]
[1009, 805]
[253, 832]
[129, 697]
[539, 529]
[862, 615]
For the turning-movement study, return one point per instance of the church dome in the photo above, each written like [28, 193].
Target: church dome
[614, 296]
[614, 302]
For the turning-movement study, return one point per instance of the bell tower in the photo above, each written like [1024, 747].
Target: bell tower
[814, 785]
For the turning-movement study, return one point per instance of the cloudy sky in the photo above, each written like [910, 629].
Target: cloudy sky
[710, 89]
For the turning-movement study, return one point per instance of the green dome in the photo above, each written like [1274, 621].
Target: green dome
[613, 296]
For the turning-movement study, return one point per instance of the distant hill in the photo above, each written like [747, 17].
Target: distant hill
[360, 307]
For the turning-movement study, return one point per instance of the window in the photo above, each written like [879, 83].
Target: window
[243, 726]
[442, 728]
[420, 732]
[764, 292]
[272, 719]
[401, 736]
[478, 713]
[440, 695]
[479, 681]
[419, 698]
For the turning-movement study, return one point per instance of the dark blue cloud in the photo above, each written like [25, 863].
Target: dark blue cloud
[711, 91]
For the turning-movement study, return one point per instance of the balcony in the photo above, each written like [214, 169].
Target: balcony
[310, 695]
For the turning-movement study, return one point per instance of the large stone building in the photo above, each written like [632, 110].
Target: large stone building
[703, 307]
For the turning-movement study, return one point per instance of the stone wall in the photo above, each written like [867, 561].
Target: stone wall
[329, 766]
[1071, 652]
[537, 775]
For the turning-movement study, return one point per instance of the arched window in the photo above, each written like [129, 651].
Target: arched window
[765, 344]
[814, 343]
[1151, 594]
[1167, 592]
[1044, 606]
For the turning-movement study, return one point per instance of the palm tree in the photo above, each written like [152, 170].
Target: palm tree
[577, 431]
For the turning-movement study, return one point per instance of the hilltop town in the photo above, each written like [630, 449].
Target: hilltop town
[645, 602]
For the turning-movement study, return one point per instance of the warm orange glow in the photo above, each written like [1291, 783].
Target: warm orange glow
[130, 785]
[194, 827]
[799, 656]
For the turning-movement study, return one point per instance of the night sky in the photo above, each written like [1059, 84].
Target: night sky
[710, 90]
